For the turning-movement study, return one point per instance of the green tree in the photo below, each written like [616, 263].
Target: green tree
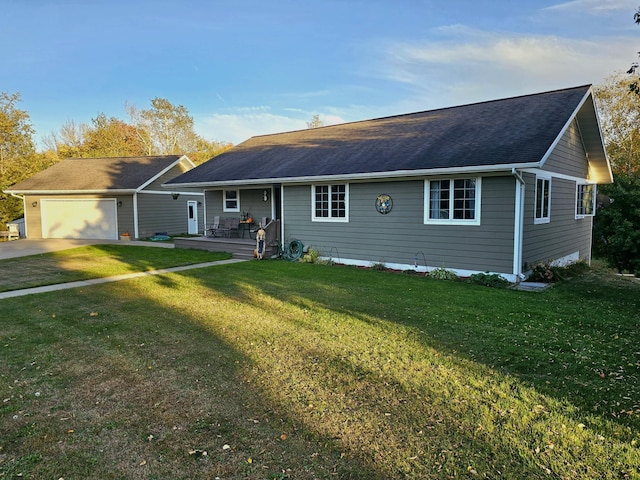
[616, 232]
[17, 153]
[111, 137]
[165, 129]
[620, 119]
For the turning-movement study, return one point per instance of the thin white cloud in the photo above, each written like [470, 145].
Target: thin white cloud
[594, 7]
[246, 122]
[479, 65]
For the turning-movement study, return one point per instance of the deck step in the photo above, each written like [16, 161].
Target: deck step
[238, 247]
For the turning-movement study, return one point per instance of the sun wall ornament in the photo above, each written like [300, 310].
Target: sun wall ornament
[384, 203]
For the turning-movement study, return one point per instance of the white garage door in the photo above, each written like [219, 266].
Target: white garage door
[91, 218]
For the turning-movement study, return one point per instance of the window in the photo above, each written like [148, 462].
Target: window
[330, 203]
[453, 201]
[543, 200]
[585, 200]
[231, 201]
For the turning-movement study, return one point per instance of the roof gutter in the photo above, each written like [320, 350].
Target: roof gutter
[388, 175]
[518, 224]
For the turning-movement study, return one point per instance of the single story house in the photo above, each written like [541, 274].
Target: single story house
[105, 198]
[497, 186]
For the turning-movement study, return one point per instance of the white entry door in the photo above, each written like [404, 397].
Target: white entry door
[192, 221]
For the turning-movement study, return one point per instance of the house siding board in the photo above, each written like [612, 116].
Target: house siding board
[250, 201]
[569, 155]
[161, 213]
[563, 235]
[397, 236]
[175, 171]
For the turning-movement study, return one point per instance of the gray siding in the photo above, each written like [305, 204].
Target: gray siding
[564, 234]
[397, 237]
[176, 170]
[569, 156]
[250, 201]
[161, 213]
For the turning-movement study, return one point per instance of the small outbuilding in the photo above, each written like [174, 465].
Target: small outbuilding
[110, 198]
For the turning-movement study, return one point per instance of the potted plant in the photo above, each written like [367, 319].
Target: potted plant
[125, 236]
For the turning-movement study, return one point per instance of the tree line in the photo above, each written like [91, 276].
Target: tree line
[162, 129]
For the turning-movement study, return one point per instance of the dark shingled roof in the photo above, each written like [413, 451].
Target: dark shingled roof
[516, 130]
[97, 174]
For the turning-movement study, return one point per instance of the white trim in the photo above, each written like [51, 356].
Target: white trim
[427, 203]
[566, 260]
[410, 266]
[400, 174]
[224, 200]
[331, 219]
[593, 200]
[518, 223]
[136, 220]
[566, 126]
[561, 176]
[194, 204]
[543, 219]
[158, 192]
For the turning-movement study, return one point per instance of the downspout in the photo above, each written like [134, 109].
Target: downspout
[24, 211]
[518, 225]
[136, 230]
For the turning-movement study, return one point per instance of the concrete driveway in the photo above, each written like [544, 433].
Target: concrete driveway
[24, 247]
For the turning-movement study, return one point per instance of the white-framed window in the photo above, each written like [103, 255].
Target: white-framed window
[230, 201]
[330, 203]
[452, 201]
[542, 212]
[585, 200]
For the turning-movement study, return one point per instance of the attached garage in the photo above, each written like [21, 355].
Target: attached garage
[89, 218]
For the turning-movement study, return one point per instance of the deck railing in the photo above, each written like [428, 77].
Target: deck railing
[272, 232]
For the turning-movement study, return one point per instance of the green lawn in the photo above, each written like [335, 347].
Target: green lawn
[270, 370]
[94, 261]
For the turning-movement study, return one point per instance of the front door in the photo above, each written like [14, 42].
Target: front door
[192, 221]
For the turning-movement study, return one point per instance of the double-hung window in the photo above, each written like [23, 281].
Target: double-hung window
[230, 201]
[585, 200]
[543, 200]
[452, 201]
[330, 203]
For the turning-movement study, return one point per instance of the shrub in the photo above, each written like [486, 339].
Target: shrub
[311, 256]
[442, 274]
[489, 280]
[379, 266]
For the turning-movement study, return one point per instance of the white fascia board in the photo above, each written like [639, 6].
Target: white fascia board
[74, 192]
[550, 174]
[396, 174]
[162, 192]
[159, 174]
[572, 117]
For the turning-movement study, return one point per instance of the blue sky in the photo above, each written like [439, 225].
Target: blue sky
[251, 67]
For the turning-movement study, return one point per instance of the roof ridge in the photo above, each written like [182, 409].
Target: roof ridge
[440, 109]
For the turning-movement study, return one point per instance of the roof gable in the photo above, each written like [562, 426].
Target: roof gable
[482, 136]
[99, 174]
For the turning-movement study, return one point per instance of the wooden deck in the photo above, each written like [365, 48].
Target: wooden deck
[238, 247]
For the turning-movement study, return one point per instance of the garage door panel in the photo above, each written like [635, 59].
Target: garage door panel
[79, 218]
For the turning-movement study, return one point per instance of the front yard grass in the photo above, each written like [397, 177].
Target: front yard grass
[94, 261]
[272, 370]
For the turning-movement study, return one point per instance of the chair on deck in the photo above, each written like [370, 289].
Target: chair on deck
[214, 228]
[233, 225]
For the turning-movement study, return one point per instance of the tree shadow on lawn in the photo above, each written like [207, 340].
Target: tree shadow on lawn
[289, 372]
[449, 370]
